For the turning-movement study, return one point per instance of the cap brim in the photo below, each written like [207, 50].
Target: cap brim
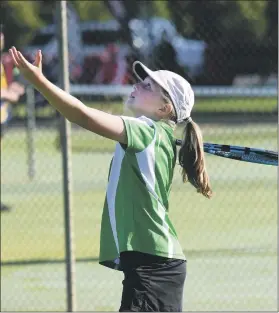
[142, 71]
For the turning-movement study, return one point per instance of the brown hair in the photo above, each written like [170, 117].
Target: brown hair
[191, 156]
[192, 160]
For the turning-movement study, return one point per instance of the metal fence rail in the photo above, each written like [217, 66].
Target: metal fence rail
[200, 91]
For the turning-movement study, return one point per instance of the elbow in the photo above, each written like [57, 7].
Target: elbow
[71, 119]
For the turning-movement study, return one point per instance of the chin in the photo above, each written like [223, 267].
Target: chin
[131, 107]
[129, 101]
[128, 106]
[131, 104]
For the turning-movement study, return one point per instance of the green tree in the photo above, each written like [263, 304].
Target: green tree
[271, 13]
[92, 10]
[218, 20]
[20, 19]
[161, 8]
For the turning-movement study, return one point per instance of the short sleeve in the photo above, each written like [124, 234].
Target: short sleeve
[140, 132]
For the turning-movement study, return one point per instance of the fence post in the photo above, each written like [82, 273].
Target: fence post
[31, 127]
[66, 159]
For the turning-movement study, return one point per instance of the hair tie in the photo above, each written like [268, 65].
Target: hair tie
[188, 120]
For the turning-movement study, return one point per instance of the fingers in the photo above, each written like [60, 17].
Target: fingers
[18, 58]
[38, 58]
[22, 59]
[15, 52]
[14, 57]
[36, 62]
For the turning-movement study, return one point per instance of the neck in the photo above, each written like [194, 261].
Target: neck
[151, 116]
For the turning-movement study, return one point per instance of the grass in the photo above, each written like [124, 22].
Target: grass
[230, 241]
[211, 105]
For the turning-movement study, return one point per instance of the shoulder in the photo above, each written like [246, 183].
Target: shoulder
[146, 121]
[143, 131]
[141, 120]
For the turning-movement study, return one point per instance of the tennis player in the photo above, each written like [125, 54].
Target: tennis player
[137, 236]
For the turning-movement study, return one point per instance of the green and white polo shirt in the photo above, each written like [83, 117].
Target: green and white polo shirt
[135, 215]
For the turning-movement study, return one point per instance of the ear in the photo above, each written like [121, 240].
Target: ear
[166, 109]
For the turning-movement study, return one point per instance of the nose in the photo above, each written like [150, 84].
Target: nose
[136, 86]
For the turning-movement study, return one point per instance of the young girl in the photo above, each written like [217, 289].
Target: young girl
[137, 236]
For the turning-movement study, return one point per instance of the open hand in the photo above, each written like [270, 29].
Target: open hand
[31, 72]
[9, 95]
[17, 87]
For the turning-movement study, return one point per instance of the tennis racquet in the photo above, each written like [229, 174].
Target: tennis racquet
[253, 155]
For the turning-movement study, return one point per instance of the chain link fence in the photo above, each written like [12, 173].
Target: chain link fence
[230, 240]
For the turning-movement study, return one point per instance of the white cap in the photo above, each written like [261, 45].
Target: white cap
[178, 88]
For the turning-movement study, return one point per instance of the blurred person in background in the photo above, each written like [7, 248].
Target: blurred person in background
[92, 66]
[114, 67]
[164, 56]
[10, 93]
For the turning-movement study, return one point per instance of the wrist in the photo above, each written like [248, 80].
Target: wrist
[39, 81]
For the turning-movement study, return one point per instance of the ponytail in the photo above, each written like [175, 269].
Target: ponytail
[192, 160]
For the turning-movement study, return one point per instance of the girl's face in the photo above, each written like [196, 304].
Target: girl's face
[146, 99]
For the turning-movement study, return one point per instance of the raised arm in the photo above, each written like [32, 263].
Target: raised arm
[99, 122]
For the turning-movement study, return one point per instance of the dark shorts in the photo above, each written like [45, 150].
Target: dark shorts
[151, 283]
